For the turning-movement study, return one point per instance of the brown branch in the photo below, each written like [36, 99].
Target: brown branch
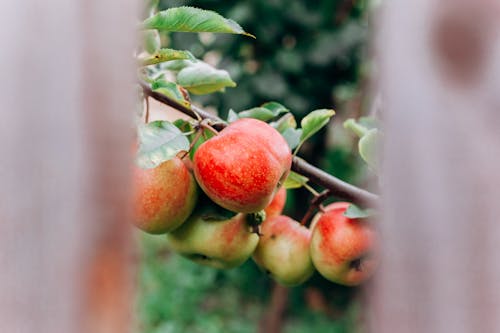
[192, 111]
[337, 187]
[315, 204]
[146, 117]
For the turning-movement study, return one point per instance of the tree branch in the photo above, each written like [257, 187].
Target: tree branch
[337, 187]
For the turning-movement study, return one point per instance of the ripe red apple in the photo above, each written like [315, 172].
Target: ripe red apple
[220, 244]
[277, 204]
[242, 167]
[283, 250]
[344, 250]
[164, 196]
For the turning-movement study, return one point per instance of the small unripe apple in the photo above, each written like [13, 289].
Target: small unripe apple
[344, 250]
[242, 168]
[220, 244]
[283, 250]
[164, 196]
[277, 204]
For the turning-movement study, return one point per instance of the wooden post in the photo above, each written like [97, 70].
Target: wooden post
[66, 105]
[440, 64]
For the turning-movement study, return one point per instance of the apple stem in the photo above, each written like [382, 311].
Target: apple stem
[337, 187]
[206, 125]
[316, 204]
[321, 208]
[310, 189]
[193, 142]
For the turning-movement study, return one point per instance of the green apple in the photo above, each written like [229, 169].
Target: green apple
[283, 250]
[220, 244]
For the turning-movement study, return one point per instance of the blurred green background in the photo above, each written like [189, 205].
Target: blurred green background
[307, 55]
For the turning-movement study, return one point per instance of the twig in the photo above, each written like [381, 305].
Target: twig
[337, 187]
[146, 117]
[206, 125]
[193, 142]
[316, 202]
[192, 111]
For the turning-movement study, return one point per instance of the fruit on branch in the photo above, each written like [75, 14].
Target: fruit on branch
[277, 204]
[164, 196]
[331, 206]
[242, 168]
[283, 250]
[344, 250]
[220, 244]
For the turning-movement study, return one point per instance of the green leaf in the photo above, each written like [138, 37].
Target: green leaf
[163, 55]
[294, 180]
[276, 107]
[232, 116]
[366, 129]
[292, 136]
[257, 113]
[183, 125]
[190, 19]
[369, 122]
[200, 78]
[315, 121]
[357, 128]
[285, 122]
[159, 141]
[368, 148]
[355, 212]
[177, 65]
[265, 112]
[312, 123]
[171, 90]
[151, 40]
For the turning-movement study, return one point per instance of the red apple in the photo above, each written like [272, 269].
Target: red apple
[344, 250]
[283, 250]
[277, 204]
[164, 196]
[329, 207]
[220, 244]
[242, 168]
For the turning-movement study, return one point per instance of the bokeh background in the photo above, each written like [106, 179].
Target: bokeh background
[307, 55]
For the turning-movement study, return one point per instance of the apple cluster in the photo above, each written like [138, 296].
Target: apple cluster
[242, 169]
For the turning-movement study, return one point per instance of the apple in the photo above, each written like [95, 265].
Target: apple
[243, 167]
[331, 206]
[277, 204]
[163, 196]
[344, 250]
[283, 250]
[217, 243]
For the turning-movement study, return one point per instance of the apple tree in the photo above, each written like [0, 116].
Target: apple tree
[217, 186]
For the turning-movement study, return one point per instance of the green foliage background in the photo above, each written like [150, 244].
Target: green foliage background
[308, 55]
